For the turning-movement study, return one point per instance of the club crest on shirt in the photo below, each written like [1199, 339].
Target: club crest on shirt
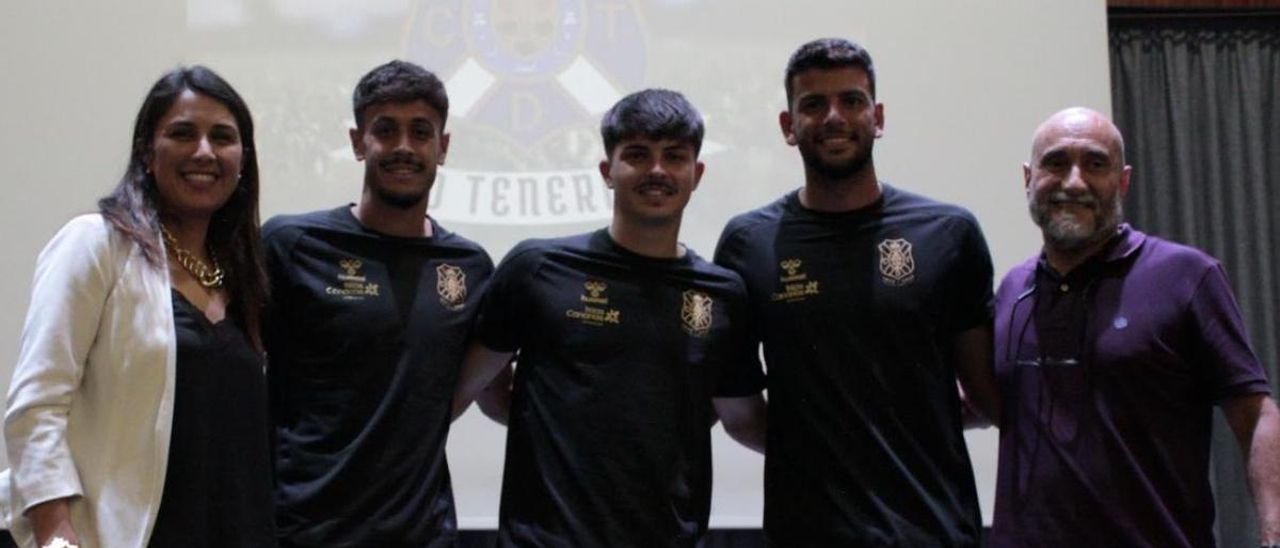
[595, 304]
[795, 284]
[696, 313]
[897, 265]
[451, 285]
[352, 285]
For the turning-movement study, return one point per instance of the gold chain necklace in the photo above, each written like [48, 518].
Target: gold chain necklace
[208, 277]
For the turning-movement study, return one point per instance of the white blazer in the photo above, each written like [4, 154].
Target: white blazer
[91, 403]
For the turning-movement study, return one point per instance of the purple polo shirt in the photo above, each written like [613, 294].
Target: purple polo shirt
[1109, 376]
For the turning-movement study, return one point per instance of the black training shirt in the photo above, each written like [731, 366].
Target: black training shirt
[856, 311]
[365, 338]
[619, 356]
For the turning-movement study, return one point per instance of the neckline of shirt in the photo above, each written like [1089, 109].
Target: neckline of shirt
[348, 218]
[870, 210]
[607, 242]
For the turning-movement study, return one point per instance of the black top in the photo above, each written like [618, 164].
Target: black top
[619, 356]
[856, 312]
[365, 335]
[217, 487]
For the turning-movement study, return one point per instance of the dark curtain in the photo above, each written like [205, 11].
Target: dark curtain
[1196, 98]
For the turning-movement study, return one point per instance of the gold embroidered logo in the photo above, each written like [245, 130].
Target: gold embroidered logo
[352, 286]
[792, 266]
[897, 266]
[594, 310]
[352, 266]
[796, 285]
[696, 313]
[451, 285]
[595, 288]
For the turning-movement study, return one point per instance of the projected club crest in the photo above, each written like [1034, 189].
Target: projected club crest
[527, 82]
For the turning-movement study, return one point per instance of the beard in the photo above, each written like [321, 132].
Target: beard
[1068, 232]
[836, 171]
[394, 197]
[399, 200]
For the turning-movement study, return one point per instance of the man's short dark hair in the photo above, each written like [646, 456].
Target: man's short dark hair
[652, 114]
[399, 82]
[827, 54]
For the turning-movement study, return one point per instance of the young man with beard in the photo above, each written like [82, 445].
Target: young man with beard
[1112, 348]
[372, 306]
[629, 345]
[869, 301]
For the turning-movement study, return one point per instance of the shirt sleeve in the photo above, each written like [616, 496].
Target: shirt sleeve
[1222, 347]
[745, 374]
[970, 305]
[277, 241]
[503, 311]
[741, 374]
[727, 252]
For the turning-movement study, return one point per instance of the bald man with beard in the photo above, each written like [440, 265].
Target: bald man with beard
[1112, 347]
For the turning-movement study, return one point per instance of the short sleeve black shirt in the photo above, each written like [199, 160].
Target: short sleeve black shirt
[365, 338]
[619, 356]
[856, 312]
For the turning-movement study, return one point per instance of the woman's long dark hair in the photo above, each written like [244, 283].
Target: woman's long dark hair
[234, 237]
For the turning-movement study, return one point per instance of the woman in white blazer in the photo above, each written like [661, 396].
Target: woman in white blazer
[137, 412]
